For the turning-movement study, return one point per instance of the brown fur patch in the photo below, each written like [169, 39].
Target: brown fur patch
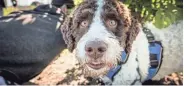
[131, 26]
[128, 27]
[72, 32]
[126, 31]
[67, 34]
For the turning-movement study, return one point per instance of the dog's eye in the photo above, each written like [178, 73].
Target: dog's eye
[111, 23]
[84, 24]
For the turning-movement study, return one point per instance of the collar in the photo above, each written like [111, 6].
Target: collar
[155, 49]
[116, 69]
[108, 78]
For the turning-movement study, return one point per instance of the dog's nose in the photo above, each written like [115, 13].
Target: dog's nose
[95, 49]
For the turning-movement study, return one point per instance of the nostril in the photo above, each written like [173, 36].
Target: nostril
[101, 49]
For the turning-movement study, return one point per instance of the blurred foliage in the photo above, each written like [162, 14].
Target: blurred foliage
[77, 2]
[161, 12]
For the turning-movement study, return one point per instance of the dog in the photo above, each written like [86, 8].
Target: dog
[98, 31]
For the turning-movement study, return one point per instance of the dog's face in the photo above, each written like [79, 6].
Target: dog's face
[99, 30]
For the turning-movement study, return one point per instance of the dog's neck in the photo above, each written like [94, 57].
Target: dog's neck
[135, 70]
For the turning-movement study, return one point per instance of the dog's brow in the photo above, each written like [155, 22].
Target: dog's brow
[84, 15]
[87, 10]
[110, 15]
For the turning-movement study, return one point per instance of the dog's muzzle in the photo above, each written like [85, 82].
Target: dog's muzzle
[95, 50]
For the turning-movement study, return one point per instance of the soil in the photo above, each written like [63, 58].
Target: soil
[65, 70]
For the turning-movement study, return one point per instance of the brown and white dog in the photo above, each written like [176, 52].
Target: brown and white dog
[99, 30]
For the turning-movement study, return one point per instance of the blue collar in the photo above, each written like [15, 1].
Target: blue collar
[155, 49]
[112, 72]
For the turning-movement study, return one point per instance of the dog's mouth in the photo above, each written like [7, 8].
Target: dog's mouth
[96, 65]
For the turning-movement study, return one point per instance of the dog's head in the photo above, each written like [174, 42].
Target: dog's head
[99, 30]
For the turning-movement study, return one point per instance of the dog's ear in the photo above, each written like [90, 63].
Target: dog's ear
[131, 26]
[66, 30]
[132, 33]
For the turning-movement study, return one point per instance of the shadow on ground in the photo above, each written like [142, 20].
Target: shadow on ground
[65, 70]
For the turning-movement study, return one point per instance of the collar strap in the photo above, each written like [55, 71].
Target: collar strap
[124, 58]
[155, 59]
[116, 69]
[107, 80]
[155, 62]
[149, 34]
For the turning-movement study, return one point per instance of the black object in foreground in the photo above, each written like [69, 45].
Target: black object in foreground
[25, 50]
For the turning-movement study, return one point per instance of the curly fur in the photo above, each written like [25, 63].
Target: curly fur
[67, 34]
[121, 39]
[172, 42]
[127, 36]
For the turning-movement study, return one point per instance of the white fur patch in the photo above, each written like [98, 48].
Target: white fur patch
[129, 71]
[136, 67]
[171, 38]
[98, 31]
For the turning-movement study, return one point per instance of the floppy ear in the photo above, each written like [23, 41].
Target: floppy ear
[67, 33]
[131, 27]
[132, 34]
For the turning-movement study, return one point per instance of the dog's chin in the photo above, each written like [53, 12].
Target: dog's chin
[91, 70]
[96, 68]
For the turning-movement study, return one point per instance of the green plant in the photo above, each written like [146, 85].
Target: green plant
[161, 12]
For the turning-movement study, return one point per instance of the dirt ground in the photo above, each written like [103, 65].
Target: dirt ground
[64, 70]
